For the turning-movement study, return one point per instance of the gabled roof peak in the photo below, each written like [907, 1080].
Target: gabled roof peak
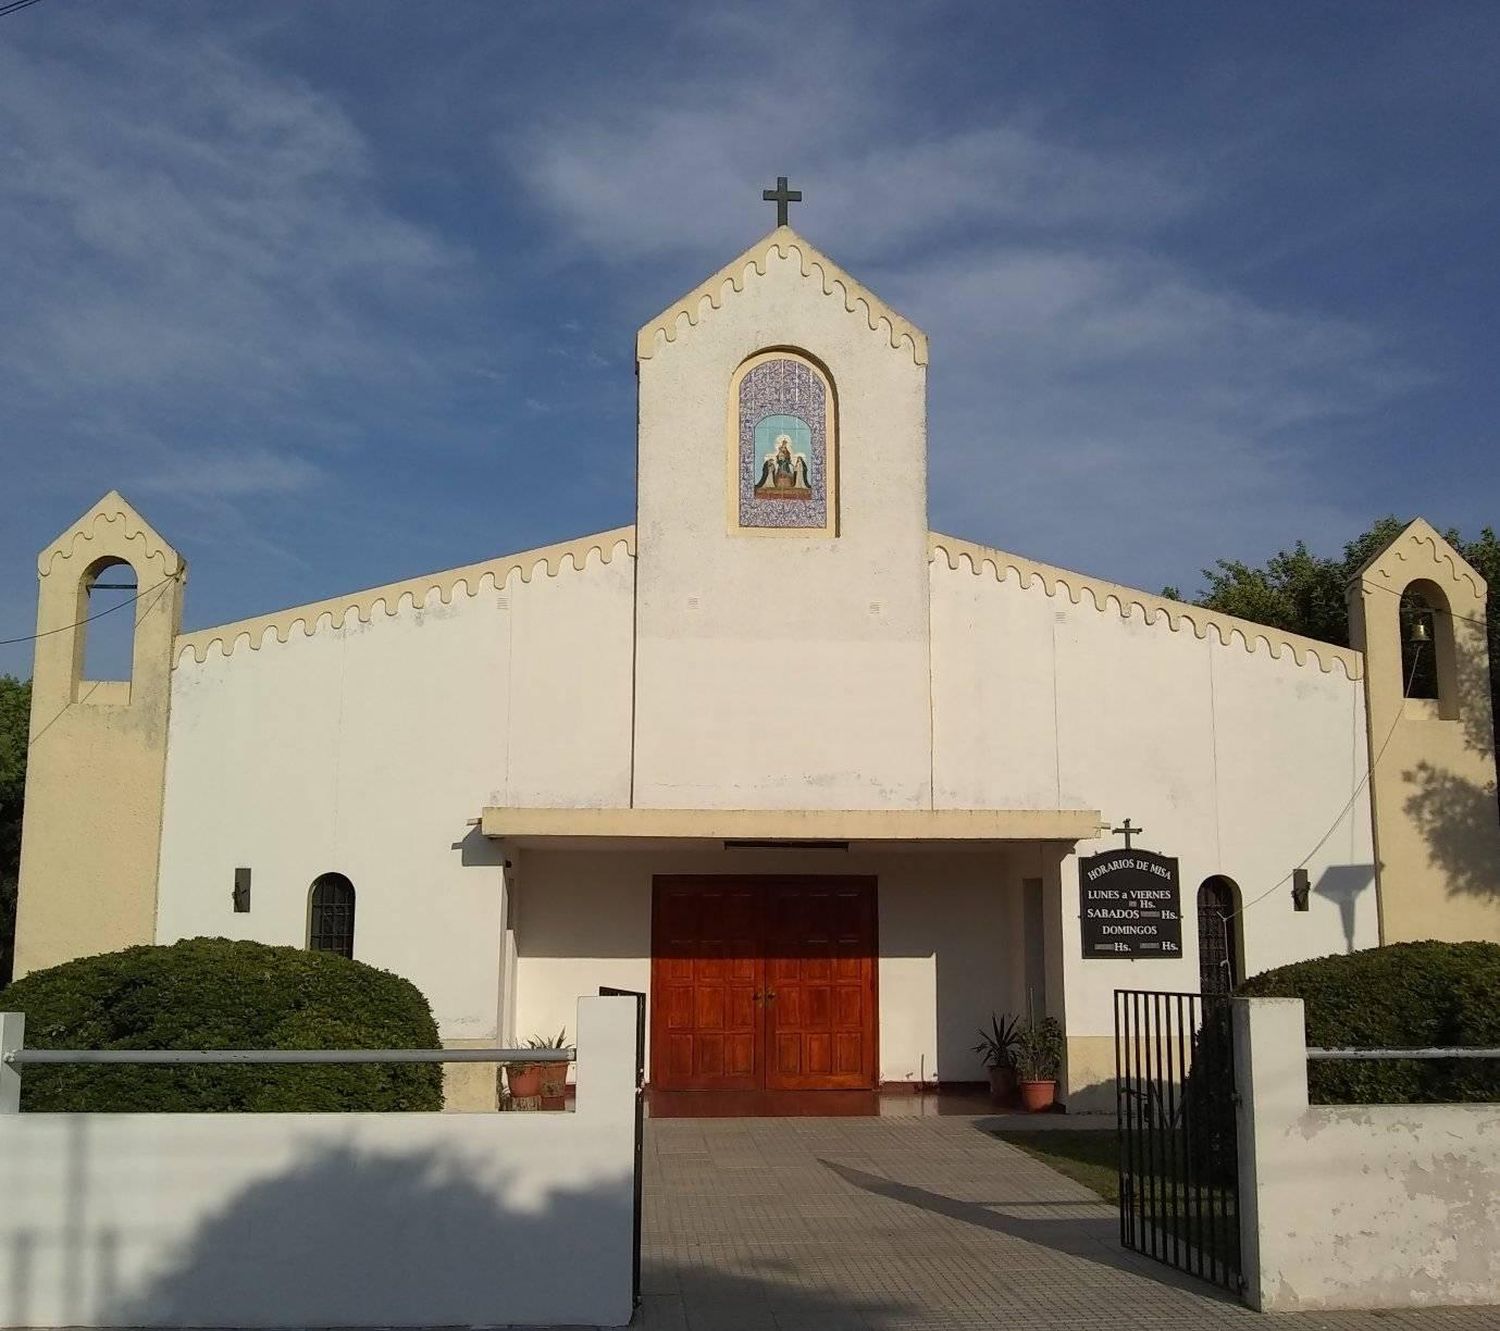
[1401, 559]
[121, 517]
[783, 242]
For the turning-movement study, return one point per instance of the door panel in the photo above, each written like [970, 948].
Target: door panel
[706, 979]
[763, 983]
[820, 983]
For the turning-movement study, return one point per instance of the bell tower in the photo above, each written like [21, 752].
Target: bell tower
[96, 768]
[782, 578]
[1417, 612]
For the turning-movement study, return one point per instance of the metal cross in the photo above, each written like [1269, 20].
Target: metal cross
[781, 196]
[1127, 831]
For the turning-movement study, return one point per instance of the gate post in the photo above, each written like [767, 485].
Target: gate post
[1270, 1061]
[12, 1036]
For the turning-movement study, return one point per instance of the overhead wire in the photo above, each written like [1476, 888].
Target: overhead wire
[94, 684]
[1342, 813]
[15, 5]
[89, 619]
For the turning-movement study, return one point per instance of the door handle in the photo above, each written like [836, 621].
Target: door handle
[770, 994]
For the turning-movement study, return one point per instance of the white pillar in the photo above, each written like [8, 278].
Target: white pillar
[1270, 1071]
[606, 1059]
[12, 1035]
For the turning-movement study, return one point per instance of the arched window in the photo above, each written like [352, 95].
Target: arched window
[330, 925]
[1218, 935]
[106, 614]
[782, 453]
[1427, 647]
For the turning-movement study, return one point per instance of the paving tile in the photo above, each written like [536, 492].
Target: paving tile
[910, 1224]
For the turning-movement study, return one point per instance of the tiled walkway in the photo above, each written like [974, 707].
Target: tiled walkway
[825, 1224]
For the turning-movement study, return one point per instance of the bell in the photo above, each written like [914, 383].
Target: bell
[1420, 633]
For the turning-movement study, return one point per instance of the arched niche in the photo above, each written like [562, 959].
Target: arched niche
[1429, 658]
[1221, 950]
[330, 915]
[782, 446]
[104, 640]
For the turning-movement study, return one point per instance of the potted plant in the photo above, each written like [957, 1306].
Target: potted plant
[523, 1081]
[997, 1048]
[554, 1076]
[1038, 1059]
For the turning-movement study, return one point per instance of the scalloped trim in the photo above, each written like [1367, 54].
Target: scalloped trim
[113, 508]
[1420, 532]
[392, 598]
[732, 277]
[1177, 613]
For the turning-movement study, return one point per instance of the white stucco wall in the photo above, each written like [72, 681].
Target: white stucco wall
[1360, 1206]
[779, 671]
[366, 750]
[731, 669]
[1237, 762]
[949, 923]
[285, 1220]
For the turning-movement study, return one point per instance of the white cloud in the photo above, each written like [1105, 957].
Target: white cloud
[677, 169]
[186, 220]
[227, 474]
[1096, 396]
[1112, 410]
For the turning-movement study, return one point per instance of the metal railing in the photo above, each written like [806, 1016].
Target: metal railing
[1459, 1051]
[29, 1057]
[14, 1055]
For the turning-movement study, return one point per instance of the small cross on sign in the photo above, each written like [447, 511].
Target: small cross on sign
[1127, 831]
[781, 196]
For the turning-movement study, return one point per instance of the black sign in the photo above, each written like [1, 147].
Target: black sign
[1131, 905]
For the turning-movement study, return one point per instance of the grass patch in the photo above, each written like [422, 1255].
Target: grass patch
[1088, 1156]
[1091, 1157]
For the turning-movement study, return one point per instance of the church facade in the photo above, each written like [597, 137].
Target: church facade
[821, 782]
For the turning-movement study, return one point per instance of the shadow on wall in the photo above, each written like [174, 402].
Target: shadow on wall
[1342, 884]
[477, 851]
[347, 1238]
[1459, 818]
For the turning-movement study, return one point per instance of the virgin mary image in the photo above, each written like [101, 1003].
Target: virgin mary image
[784, 474]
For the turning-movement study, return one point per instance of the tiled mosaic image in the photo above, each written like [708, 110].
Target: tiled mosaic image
[783, 452]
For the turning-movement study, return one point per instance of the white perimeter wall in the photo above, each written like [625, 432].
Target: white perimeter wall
[1238, 763]
[950, 940]
[281, 1220]
[366, 749]
[1359, 1206]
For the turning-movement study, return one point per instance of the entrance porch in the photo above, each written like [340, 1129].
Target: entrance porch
[813, 963]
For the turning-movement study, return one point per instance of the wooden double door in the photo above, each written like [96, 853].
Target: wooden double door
[763, 983]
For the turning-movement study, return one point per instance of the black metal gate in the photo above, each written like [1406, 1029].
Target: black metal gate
[640, 1105]
[1179, 1164]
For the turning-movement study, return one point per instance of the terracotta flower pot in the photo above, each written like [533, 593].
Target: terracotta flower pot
[554, 1085]
[523, 1079]
[1003, 1084]
[1038, 1095]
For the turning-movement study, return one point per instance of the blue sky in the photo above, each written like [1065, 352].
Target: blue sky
[343, 293]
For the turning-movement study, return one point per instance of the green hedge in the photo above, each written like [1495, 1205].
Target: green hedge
[1402, 996]
[214, 993]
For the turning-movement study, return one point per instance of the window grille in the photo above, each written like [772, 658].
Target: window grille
[331, 923]
[1218, 962]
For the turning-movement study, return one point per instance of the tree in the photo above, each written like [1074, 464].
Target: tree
[15, 718]
[1301, 592]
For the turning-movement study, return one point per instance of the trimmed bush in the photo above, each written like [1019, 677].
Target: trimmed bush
[214, 993]
[1405, 995]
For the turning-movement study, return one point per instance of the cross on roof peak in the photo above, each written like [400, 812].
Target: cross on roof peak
[781, 196]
